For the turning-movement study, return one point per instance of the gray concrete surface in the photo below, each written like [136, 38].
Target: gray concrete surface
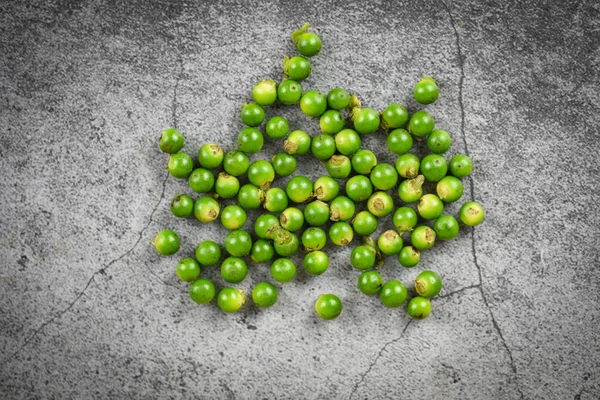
[89, 310]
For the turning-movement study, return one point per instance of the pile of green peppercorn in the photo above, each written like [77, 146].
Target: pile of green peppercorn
[367, 183]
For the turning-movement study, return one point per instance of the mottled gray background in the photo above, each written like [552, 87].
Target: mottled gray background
[89, 310]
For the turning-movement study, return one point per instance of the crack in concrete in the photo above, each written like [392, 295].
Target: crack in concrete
[461, 65]
[476, 286]
[364, 375]
[101, 270]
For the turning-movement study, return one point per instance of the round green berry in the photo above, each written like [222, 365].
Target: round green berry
[461, 166]
[347, 141]
[286, 243]
[422, 237]
[363, 257]
[449, 189]
[421, 124]
[265, 223]
[298, 142]
[201, 180]
[275, 200]
[230, 300]
[313, 103]
[446, 227]
[331, 122]
[404, 219]
[182, 206]
[399, 141]
[264, 92]
[393, 294]
[411, 190]
[250, 197]
[283, 270]
[233, 217]
[338, 99]
[366, 120]
[277, 127]
[206, 209]
[234, 270]
[328, 306]
[394, 116]
[364, 223]
[171, 141]
[202, 291]
[261, 174]
[314, 239]
[208, 253]
[326, 188]
[291, 219]
[210, 156]
[188, 269]
[180, 165]
[289, 92]
[166, 242]
[238, 243]
[409, 256]
[380, 204]
[359, 188]
[428, 284]
[323, 146]
[227, 186]
[341, 233]
[296, 68]
[434, 167]
[418, 308]
[426, 91]
[250, 140]
[299, 189]
[308, 43]
[284, 164]
[364, 161]
[316, 213]
[262, 251]
[390, 243]
[341, 209]
[236, 163]
[407, 166]
[339, 167]
[471, 213]
[316, 262]
[430, 206]
[439, 141]
[384, 176]
[264, 295]
[370, 282]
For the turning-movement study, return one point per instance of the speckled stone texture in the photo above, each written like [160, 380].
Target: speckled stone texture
[89, 310]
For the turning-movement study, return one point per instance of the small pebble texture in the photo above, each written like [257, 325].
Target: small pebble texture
[88, 309]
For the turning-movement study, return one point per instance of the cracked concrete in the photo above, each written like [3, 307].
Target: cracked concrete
[89, 310]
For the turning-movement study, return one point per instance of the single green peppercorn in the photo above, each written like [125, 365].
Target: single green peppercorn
[411, 190]
[286, 243]
[434, 167]
[262, 251]
[366, 120]
[390, 243]
[208, 253]
[341, 233]
[264, 223]
[233, 217]
[422, 237]
[316, 213]
[430, 206]
[291, 219]
[380, 204]
[408, 165]
[264, 92]
[230, 300]
[404, 219]
[277, 127]
[328, 306]
[227, 186]
[166, 242]
[250, 197]
[284, 164]
[426, 90]
[461, 166]
[326, 188]
[250, 140]
[202, 291]
[341, 209]
[338, 99]
[238, 243]
[180, 165]
[364, 223]
[364, 161]
[298, 142]
[384, 176]
[289, 92]
[394, 116]
[393, 294]
[308, 43]
[171, 141]
[370, 282]
[316, 262]
[283, 270]
[471, 213]
[449, 189]
[323, 146]
[275, 200]
[201, 180]
[264, 295]
[314, 239]
[331, 122]
[439, 141]
[210, 156]
[339, 167]
[236, 163]
[347, 141]
[296, 68]
[399, 141]
[363, 257]
[188, 269]
[359, 188]
[313, 103]
[421, 124]
[206, 209]
[428, 284]
[261, 174]
[182, 206]
[299, 189]
[418, 308]
[409, 256]
[446, 227]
